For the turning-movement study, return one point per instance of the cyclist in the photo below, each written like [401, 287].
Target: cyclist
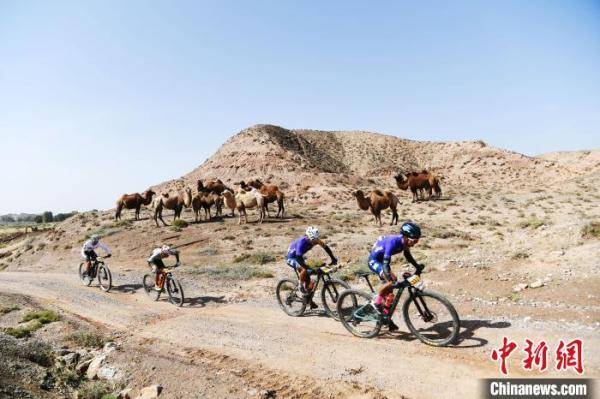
[381, 255]
[295, 258]
[88, 251]
[156, 262]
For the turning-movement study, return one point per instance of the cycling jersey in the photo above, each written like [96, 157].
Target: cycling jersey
[158, 255]
[88, 249]
[386, 246]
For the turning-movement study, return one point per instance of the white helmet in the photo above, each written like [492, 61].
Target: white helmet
[95, 238]
[165, 248]
[312, 233]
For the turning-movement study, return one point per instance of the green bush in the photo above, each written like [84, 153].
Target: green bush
[591, 230]
[43, 316]
[532, 222]
[24, 330]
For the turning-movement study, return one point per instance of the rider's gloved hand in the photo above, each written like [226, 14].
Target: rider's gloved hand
[333, 262]
[108, 255]
[419, 268]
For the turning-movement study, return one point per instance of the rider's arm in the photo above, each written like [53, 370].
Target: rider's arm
[175, 253]
[329, 252]
[104, 248]
[412, 260]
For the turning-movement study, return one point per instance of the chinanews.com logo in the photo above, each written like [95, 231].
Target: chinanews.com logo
[564, 356]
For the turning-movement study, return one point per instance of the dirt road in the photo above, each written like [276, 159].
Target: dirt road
[258, 332]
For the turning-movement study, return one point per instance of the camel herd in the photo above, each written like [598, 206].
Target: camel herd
[252, 194]
[256, 194]
[418, 182]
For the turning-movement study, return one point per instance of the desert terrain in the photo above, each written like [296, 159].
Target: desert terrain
[513, 243]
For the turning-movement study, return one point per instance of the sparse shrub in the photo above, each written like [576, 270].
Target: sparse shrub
[25, 330]
[87, 339]
[95, 390]
[350, 273]
[122, 223]
[520, 255]
[231, 272]
[258, 258]
[8, 309]
[180, 223]
[591, 230]
[532, 222]
[226, 238]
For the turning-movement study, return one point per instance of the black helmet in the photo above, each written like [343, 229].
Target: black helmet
[411, 230]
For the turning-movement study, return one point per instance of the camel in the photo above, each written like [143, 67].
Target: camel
[175, 203]
[414, 181]
[133, 201]
[204, 200]
[245, 200]
[271, 193]
[434, 183]
[377, 201]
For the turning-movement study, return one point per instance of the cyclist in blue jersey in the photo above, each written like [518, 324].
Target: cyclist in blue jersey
[381, 256]
[295, 257]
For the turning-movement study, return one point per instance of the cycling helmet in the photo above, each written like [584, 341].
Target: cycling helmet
[411, 230]
[95, 238]
[312, 233]
[165, 248]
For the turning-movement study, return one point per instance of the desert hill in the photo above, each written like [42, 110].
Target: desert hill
[318, 162]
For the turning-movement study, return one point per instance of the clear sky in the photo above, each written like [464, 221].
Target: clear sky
[99, 98]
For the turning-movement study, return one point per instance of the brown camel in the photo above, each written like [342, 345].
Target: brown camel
[434, 183]
[205, 201]
[175, 203]
[377, 201]
[271, 193]
[245, 200]
[215, 186]
[133, 201]
[415, 181]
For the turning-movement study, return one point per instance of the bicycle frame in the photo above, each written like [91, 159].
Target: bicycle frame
[321, 276]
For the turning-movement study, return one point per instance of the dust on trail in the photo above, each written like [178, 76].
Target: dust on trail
[257, 340]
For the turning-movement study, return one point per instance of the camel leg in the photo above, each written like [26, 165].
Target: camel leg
[282, 207]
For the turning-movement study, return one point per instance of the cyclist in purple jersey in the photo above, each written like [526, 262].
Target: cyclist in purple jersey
[381, 256]
[296, 252]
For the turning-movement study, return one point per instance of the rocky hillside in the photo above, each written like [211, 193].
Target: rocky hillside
[310, 163]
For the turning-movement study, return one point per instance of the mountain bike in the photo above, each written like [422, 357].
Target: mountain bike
[428, 315]
[98, 269]
[293, 301]
[169, 282]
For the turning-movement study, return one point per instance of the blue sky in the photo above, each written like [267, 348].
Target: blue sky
[98, 98]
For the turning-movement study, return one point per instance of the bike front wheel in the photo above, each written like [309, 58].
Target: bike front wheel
[330, 294]
[175, 291]
[148, 283]
[104, 278]
[357, 313]
[289, 298]
[83, 276]
[431, 317]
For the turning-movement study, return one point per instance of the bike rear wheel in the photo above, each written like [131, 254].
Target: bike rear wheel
[358, 315]
[104, 277]
[175, 291]
[330, 294]
[431, 317]
[289, 298]
[148, 283]
[83, 276]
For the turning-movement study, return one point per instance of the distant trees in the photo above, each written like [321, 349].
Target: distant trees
[45, 217]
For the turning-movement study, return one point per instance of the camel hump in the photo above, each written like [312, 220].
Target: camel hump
[378, 192]
[425, 172]
[414, 174]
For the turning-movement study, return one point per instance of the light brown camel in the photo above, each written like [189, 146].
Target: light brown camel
[133, 201]
[175, 203]
[434, 183]
[271, 193]
[245, 200]
[377, 201]
[415, 181]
